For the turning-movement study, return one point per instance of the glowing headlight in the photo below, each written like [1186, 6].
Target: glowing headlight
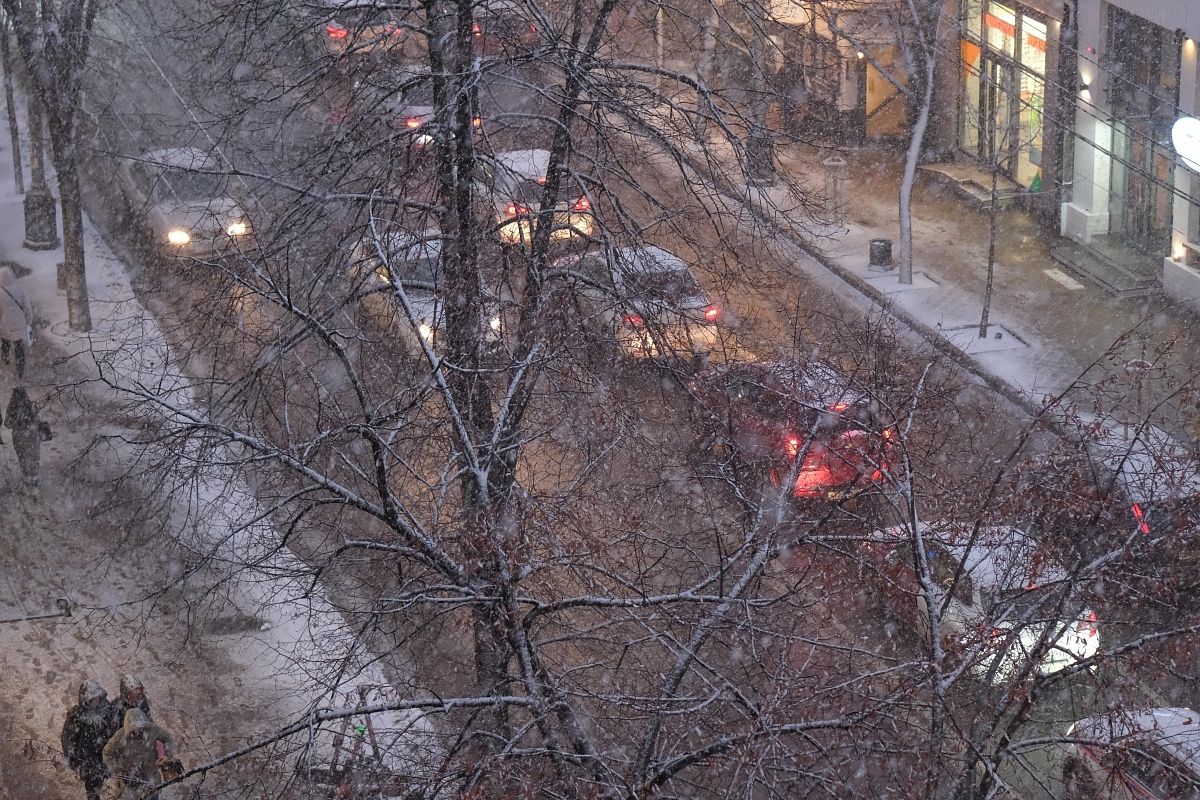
[178, 237]
[237, 229]
[425, 331]
[494, 324]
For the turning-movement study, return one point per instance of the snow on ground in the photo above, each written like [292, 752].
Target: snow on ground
[285, 625]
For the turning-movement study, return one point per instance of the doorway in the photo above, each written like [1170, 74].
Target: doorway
[1001, 114]
[1140, 203]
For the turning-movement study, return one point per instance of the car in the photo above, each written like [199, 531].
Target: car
[513, 182]
[1002, 595]
[1103, 490]
[645, 302]
[401, 96]
[1143, 753]
[501, 28]
[183, 198]
[397, 258]
[771, 413]
[358, 27]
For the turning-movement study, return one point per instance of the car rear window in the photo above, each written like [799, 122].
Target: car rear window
[672, 287]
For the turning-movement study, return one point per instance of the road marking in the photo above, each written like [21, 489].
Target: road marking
[1063, 278]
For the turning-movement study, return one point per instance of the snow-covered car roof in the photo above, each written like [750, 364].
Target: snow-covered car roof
[527, 164]
[1176, 730]
[404, 245]
[181, 158]
[647, 259]
[1001, 557]
[1143, 461]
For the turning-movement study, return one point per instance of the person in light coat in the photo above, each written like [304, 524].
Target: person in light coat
[16, 319]
[137, 753]
[21, 417]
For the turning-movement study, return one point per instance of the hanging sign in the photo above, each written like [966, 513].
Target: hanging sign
[1185, 137]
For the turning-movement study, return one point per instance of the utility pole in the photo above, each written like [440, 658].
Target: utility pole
[41, 215]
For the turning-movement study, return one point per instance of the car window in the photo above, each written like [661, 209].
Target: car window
[187, 185]
[669, 286]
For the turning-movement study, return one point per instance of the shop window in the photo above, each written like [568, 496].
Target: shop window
[1000, 24]
[973, 13]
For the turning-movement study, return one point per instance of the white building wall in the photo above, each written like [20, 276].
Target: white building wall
[1086, 214]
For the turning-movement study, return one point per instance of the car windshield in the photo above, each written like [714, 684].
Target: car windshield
[187, 185]
[673, 287]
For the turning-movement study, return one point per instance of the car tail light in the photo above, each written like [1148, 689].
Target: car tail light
[477, 121]
[838, 408]
[515, 210]
[633, 320]
[540, 181]
[791, 446]
[336, 32]
[533, 29]
[582, 204]
[1088, 624]
[475, 29]
[712, 313]
[412, 123]
[1140, 516]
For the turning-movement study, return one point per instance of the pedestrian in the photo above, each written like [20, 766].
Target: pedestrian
[132, 695]
[88, 727]
[16, 319]
[27, 434]
[137, 754]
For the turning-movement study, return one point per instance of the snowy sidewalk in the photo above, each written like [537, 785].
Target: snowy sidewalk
[221, 667]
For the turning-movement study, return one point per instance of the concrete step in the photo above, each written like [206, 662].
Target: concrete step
[1121, 280]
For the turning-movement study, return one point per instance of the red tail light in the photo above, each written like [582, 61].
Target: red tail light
[633, 320]
[336, 32]
[582, 204]
[475, 30]
[540, 181]
[838, 408]
[1140, 516]
[533, 29]
[888, 433]
[791, 446]
[476, 121]
[712, 313]
[1088, 625]
[412, 123]
[515, 210]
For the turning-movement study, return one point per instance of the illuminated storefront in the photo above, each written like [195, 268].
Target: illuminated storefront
[1003, 106]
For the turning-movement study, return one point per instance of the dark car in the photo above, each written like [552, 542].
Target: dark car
[770, 414]
[501, 28]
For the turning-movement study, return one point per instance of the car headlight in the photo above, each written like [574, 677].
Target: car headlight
[425, 331]
[239, 228]
[494, 324]
[178, 236]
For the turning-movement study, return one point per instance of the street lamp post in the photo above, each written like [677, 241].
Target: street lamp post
[41, 215]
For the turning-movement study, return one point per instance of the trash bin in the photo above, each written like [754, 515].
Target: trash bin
[881, 255]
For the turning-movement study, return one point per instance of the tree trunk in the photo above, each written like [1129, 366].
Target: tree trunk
[79, 314]
[910, 172]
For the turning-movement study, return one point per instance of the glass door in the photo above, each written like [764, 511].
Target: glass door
[1140, 202]
[1002, 114]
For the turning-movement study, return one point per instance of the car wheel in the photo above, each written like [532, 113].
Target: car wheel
[1077, 780]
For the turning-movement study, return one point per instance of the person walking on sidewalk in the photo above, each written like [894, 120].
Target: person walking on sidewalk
[132, 695]
[27, 433]
[16, 319]
[1195, 430]
[137, 753]
[88, 727]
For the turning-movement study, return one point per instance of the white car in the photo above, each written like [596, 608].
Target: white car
[1145, 753]
[184, 199]
[513, 182]
[399, 259]
[646, 300]
[1005, 598]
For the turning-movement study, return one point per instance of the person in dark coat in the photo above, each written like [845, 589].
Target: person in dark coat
[88, 727]
[16, 316]
[137, 753]
[132, 695]
[22, 419]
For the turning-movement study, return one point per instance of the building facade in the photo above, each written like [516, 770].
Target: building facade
[1131, 198]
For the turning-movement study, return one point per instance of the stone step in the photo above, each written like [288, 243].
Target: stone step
[1104, 272]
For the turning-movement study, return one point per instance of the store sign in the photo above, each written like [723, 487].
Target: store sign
[1185, 137]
